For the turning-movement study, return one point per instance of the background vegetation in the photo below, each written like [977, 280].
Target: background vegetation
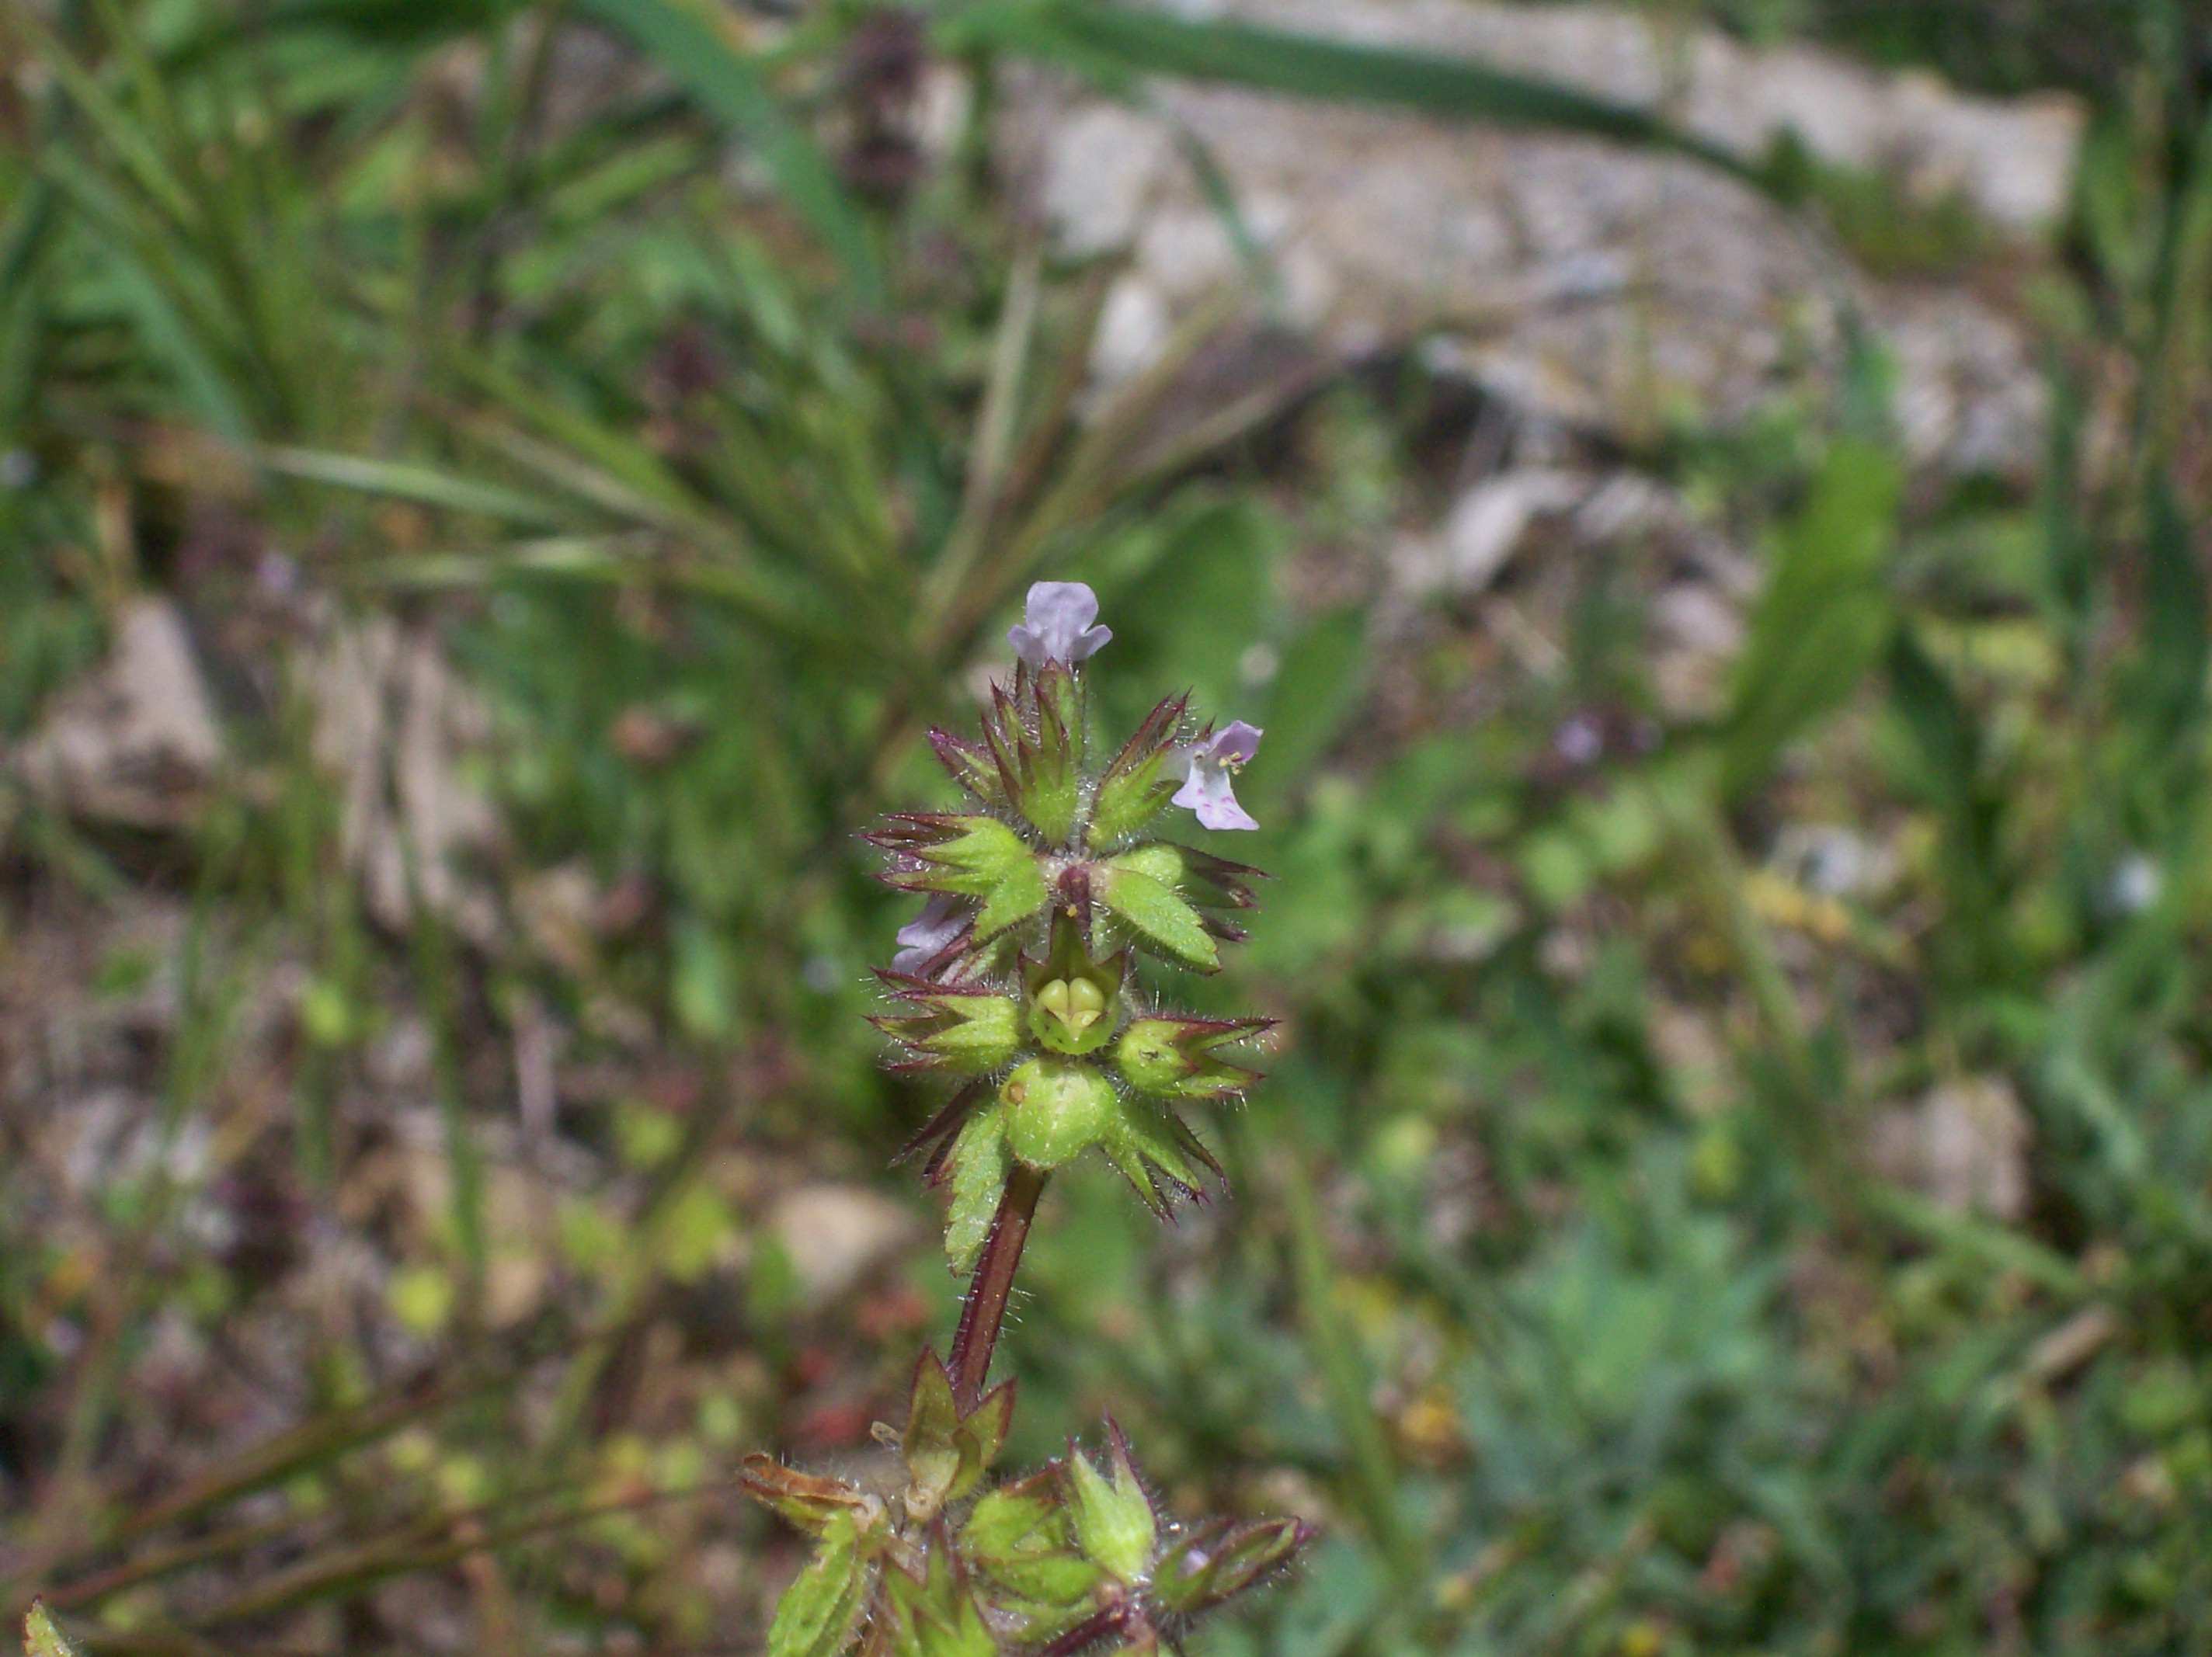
[435, 1131]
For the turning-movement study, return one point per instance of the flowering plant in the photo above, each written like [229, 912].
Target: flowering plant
[1018, 981]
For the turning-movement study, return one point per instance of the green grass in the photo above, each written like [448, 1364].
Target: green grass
[1563, 1283]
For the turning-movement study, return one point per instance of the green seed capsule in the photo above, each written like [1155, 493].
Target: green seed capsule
[1073, 1015]
[1057, 1110]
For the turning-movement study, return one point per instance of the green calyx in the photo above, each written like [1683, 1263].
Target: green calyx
[1140, 889]
[933, 1614]
[1074, 1001]
[1030, 759]
[1056, 1109]
[1020, 1543]
[1115, 1524]
[1181, 1058]
[1135, 788]
[42, 1637]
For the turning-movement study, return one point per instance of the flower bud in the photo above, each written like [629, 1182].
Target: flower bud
[1179, 1058]
[1115, 1524]
[1070, 1014]
[1218, 1561]
[1035, 738]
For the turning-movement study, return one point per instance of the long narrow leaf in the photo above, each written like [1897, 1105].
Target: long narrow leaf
[686, 44]
[426, 486]
[1100, 40]
[1824, 617]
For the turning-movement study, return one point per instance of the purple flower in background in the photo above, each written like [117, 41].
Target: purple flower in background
[930, 933]
[1208, 767]
[1057, 624]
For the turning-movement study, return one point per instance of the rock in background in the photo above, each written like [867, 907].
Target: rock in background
[1605, 288]
[136, 741]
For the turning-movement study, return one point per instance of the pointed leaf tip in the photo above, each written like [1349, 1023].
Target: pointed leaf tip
[43, 1637]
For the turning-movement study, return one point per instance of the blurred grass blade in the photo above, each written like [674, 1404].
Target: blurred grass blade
[622, 475]
[1972, 1236]
[2069, 572]
[312, 1443]
[2177, 635]
[687, 45]
[1943, 733]
[1822, 622]
[425, 486]
[1947, 743]
[430, 1541]
[173, 1559]
[2174, 365]
[125, 136]
[1372, 1470]
[995, 429]
[1314, 692]
[1114, 44]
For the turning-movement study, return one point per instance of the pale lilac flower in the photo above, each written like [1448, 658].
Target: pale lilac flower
[1207, 768]
[942, 919]
[1057, 624]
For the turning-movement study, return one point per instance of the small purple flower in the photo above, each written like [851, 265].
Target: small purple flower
[1057, 625]
[1207, 768]
[930, 933]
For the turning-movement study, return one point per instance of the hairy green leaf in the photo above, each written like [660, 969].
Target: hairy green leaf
[1156, 913]
[977, 1171]
[821, 1609]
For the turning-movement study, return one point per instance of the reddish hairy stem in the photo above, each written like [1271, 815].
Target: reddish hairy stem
[1088, 1633]
[984, 1312]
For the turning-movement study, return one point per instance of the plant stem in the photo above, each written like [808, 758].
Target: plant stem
[985, 1310]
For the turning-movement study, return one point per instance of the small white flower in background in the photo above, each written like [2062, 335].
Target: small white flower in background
[1208, 768]
[943, 919]
[1057, 625]
[2135, 884]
